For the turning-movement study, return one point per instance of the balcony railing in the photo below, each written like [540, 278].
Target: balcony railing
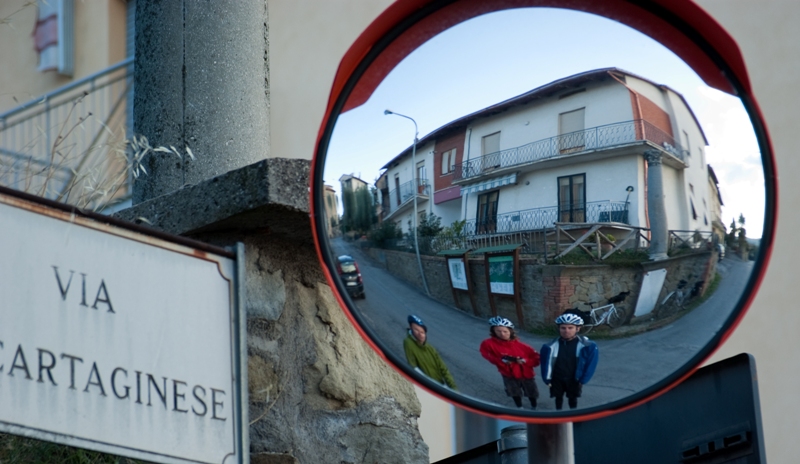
[543, 218]
[64, 144]
[400, 196]
[589, 139]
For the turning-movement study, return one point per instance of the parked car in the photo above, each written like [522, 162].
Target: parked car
[351, 276]
[721, 249]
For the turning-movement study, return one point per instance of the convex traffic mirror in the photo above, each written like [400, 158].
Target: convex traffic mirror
[520, 164]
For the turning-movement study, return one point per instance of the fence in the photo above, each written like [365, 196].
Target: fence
[691, 240]
[64, 143]
[532, 241]
[589, 139]
[546, 217]
[405, 192]
[541, 242]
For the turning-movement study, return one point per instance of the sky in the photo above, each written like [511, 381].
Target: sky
[493, 57]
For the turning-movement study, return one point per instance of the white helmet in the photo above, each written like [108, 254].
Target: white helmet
[501, 322]
[569, 318]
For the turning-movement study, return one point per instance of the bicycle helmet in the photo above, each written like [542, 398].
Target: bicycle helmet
[498, 321]
[568, 318]
[412, 319]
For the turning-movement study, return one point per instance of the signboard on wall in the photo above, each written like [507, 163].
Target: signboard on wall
[458, 274]
[501, 274]
[652, 283]
[117, 341]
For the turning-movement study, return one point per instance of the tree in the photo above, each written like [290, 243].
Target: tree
[730, 239]
[387, 230]
[359, 211]
[429, 225]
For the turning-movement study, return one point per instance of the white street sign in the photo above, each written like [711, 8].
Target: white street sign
[117, 341]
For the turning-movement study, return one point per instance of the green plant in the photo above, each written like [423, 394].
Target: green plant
[387, 230]
[454, 230]
[620, 259]
[359, 210]
[20, 450]
[430, 225]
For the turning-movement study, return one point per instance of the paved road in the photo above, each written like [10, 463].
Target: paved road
[626, 365]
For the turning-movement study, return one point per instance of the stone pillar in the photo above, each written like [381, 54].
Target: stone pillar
[317, 392]
[201, 80]
[655, 205]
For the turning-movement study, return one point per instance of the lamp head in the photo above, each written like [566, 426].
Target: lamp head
[629, 189]
[387, 112]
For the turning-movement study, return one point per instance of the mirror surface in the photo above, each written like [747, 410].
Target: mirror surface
[533, 129]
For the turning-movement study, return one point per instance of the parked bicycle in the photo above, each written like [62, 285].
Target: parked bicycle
[607, 314]
[677, 299]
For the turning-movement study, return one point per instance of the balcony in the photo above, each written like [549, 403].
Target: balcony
[543, 218]
[616, 135]
[401, 197]
[69, 144]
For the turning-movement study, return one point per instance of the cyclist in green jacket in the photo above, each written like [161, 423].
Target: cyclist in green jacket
[424, 357]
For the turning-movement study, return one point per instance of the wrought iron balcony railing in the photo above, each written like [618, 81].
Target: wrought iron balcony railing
[405, 192]
[589, 139]
[62, 144]
[542, 218]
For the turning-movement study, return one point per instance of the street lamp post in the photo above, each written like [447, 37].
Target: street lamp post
[416, 192]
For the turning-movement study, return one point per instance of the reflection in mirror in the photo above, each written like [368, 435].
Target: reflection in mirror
[553, 172]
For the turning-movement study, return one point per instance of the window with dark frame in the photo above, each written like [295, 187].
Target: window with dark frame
[397, 188]
[572, 198]
[486, 217]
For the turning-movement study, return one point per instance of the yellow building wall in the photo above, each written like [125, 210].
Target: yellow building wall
[99, 43]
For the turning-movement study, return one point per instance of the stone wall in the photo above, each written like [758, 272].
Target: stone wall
[317, 392]
[547, 290]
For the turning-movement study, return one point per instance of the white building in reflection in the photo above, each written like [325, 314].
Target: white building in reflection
[569, 151]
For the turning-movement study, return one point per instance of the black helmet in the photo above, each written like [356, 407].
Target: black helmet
[412, 319]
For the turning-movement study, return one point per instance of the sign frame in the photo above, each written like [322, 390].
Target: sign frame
[504, 252]
[77, 225]
[461, 255]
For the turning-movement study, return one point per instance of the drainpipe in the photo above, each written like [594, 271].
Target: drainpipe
[646, 174]
[464, 159]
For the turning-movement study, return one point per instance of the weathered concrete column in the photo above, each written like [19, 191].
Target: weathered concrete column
[201, 80]
[655, 205]
[317, 392]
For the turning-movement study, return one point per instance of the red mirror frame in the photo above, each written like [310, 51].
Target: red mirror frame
[680, 25]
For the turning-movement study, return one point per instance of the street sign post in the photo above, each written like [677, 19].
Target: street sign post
[117, 341]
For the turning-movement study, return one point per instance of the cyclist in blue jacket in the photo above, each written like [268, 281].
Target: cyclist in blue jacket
[569, 361]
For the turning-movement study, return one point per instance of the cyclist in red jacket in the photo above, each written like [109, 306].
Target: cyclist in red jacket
[514, 360]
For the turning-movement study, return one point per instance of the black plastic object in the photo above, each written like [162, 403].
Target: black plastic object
[713, 417]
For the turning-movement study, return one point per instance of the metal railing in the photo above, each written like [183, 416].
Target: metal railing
[575, 142]
[66, 140]
[546, 217]
[532, 241]
[695, 240]
[405, 192]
